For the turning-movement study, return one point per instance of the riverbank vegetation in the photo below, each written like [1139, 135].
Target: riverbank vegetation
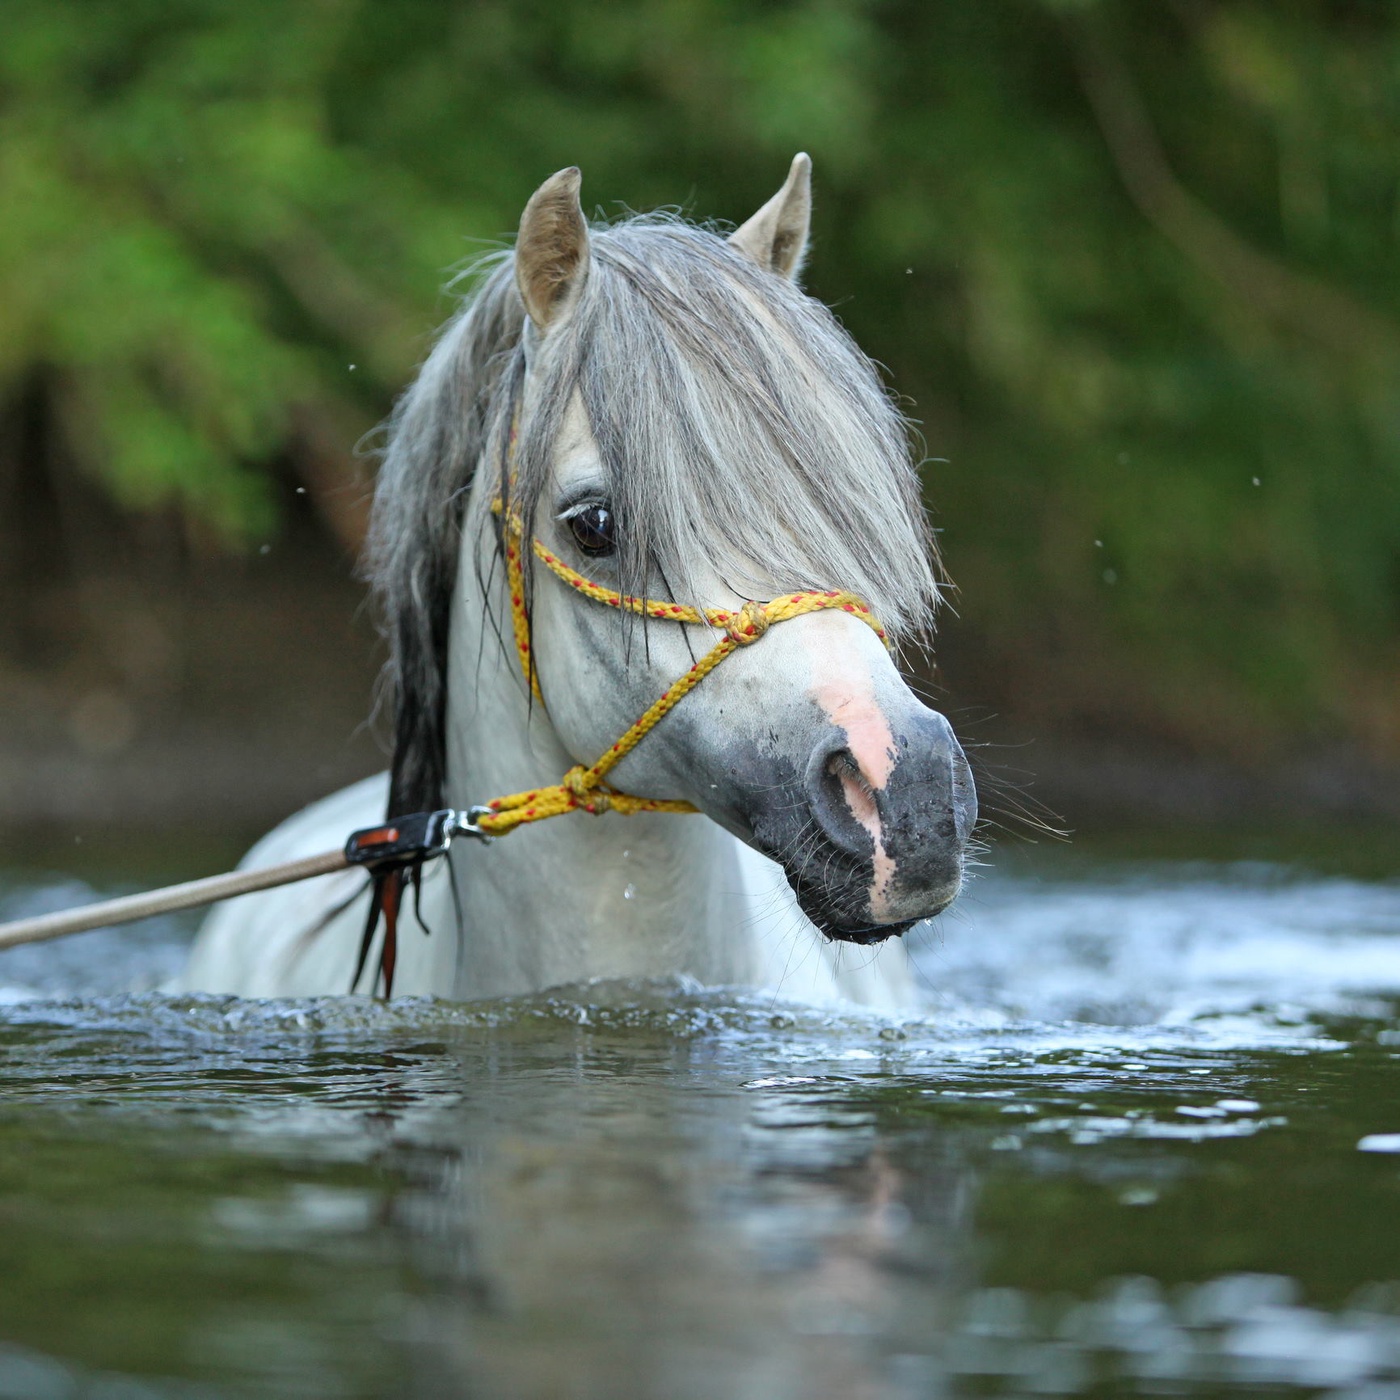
[1133, 266]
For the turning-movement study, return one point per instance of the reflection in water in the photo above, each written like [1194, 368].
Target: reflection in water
[627, 1239]
[1119, 1156]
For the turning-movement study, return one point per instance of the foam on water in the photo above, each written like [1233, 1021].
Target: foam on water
[1231, 952]
[1170, 945]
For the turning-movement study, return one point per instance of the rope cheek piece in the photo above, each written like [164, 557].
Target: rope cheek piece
[585, 789]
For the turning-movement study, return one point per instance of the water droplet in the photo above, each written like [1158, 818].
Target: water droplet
[352, 366]
[630, 892]
[627, 855]
[265, 549]
[301, 490]
[1255, 480]
[1110, 575]
[1098, 544]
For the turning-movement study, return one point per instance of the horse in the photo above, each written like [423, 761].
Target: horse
[629, 451]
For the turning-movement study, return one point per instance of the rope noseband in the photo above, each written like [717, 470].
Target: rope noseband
[586, 789]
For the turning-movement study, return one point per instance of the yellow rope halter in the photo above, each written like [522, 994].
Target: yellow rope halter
[585, 789]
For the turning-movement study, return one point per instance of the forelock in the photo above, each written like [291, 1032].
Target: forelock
[741, 430]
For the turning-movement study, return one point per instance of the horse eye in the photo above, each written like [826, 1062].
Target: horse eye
[595, 529]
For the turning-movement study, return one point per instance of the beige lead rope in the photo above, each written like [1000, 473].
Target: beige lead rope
[191, 895]
[403, 843]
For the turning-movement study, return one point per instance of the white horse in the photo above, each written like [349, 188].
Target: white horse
[661, 411]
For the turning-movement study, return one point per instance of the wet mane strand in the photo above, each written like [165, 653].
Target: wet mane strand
[740, 429]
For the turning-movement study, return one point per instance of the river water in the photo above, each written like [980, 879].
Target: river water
[1144, 1140]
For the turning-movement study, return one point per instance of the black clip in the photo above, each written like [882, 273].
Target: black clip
[412, 839]
[403, 841]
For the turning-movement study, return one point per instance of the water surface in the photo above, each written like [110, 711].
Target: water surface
[1118, 1154]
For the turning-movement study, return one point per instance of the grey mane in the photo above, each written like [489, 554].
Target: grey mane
[739, 426]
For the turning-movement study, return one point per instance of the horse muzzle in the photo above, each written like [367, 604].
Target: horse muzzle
[872, 841]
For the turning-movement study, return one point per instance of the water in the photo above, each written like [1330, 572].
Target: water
[1118, 1155]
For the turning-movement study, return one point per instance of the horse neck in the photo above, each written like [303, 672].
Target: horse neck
[577, 896]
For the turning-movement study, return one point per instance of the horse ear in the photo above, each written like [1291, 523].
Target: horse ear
[776, 237]
[551, 252]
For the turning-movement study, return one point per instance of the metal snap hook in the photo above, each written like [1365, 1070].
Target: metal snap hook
[465, 824]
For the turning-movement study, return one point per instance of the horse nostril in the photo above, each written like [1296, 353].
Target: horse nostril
[855, 788]
[841, 799]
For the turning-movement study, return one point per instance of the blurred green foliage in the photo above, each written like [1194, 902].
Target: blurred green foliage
[1135, 265]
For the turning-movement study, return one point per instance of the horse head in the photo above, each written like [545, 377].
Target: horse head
[688, 430]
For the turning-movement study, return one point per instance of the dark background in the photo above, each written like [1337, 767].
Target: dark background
[1133, 265]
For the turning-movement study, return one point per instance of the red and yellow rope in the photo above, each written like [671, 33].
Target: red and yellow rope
[586, 789]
